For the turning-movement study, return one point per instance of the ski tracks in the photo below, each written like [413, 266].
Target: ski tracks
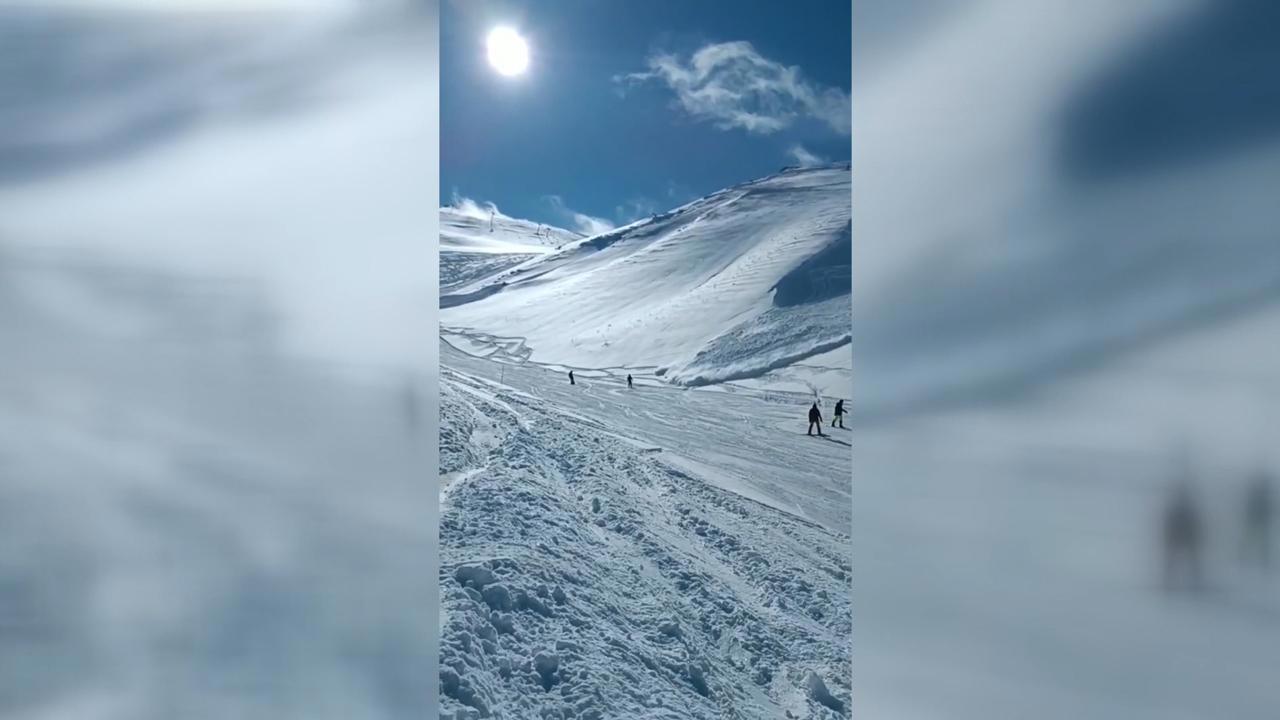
[581, 578]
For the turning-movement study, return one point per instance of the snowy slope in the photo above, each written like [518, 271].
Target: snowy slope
[473, 246]
[730, 286]
[467, 229]
[594, 563]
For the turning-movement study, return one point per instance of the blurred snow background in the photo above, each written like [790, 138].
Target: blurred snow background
[1066, 278]
[217, 359]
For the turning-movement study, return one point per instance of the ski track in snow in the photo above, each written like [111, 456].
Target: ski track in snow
[593, 564]
[704, 428]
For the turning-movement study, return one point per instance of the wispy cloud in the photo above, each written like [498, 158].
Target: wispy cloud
[803, 157]
[734, 86]
[471, 208]
[634, 209]
[580, 222]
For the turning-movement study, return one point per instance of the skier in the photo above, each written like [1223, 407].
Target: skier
[815, 420]
[628, 381]
[837, 415]
[411, 404]
[571, 382]
[1182, 540]
[1258, 511]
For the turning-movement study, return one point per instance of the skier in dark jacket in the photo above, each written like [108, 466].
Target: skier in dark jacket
[837, 415]
[628, 380]
[1258, 511]
[571, 382]
[1183, 537]
[815, 420]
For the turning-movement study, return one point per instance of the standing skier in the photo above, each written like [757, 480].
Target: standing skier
[628, 381]
[815, 420]
[1258, 511]
[571, 382]
[1183, 537]
[837, 415]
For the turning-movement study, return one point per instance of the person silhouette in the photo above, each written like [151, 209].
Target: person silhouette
[1183, 538]
[1259, 511]
[815, 420]
[837, 415]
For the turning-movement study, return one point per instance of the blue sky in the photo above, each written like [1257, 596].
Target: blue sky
[630, 108]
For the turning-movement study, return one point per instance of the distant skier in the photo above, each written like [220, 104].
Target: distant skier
[628, 381]
[571, 382]
[411, 404]
[1183, 537]
[815, 420]
[837, 415]
[1259, 510]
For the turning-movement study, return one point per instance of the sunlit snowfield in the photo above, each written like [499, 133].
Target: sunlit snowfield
[674, 549]
[216, 438]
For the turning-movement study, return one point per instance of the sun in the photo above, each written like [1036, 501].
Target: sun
[508, 52]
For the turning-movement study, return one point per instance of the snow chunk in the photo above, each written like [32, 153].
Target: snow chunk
[476, 575]
[819, 693]
[497, 597]
[546, 663]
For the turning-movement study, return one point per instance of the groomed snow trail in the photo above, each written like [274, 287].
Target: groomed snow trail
[588, 573]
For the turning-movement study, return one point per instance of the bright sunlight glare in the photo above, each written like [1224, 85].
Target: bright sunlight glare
[508, 52]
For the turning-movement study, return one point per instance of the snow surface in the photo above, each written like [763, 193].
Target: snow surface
[472, 248]
[657, 552]
[469, 229]
[736, 285]
[674, 550]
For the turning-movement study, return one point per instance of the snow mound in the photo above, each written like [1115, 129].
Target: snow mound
[734, 285]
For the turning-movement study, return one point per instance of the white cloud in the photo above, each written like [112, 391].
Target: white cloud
[581, 222]
[634, 209]
[803, 157]
[471, 208]
[734, 86]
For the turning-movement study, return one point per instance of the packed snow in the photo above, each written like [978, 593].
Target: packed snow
[615, 552]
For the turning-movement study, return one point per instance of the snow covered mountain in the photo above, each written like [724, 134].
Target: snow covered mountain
[732, 286]
[475, 244]
[468, 228]
[610, 550]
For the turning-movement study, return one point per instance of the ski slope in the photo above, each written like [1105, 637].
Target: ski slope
[657, 552]
[475, 245]
[471, 229]
[744, 283]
